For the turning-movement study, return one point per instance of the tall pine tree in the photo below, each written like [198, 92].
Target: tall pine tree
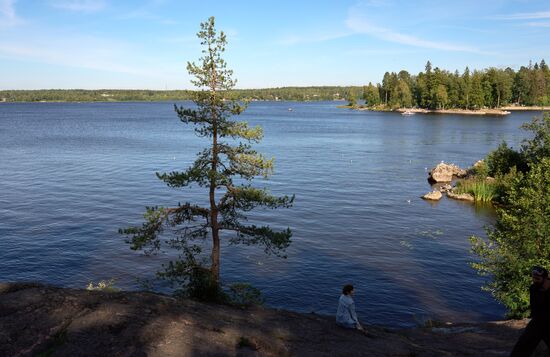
[229, 156]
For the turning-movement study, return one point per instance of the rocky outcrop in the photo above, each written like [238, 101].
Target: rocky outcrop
[40, 320]
[460, 196]
[433, 196]
[444, 187]
[44, 320]
[445, 172]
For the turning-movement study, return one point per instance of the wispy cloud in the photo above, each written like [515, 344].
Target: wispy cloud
[538, 24]
[8, 17]
[296, 40]
[377, 52]
[86, 52]
[79, 5]
[523, 16]
[361, 25]
[144, 14]
[147, 12]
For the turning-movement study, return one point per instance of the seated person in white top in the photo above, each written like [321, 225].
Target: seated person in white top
[345, 315]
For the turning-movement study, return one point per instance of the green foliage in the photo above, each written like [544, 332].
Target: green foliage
[504, 185]
[439, 89]
[482, 190]
[434, 88]
[244, 295]
[122, 95]
[371, 95]
[503, 159]
[480, 170]
[519, 240]
[521, 236]
[229, 156]
[538, 147]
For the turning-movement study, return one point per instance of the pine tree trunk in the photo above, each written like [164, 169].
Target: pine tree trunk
[215, 267]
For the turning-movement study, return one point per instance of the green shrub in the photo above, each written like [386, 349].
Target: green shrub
[503, 159]
[193, 278]
[480, 170]
[538, 147]
[244, 295]
[504, 185]
[519, 240]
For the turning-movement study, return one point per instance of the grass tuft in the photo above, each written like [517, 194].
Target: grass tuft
[482, 190]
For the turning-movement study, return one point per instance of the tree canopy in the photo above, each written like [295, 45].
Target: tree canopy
[521, 235]
[224, 170]
[436, 88]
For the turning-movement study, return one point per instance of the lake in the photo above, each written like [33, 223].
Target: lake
[71, 174]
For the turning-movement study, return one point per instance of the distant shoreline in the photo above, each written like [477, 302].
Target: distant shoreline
[501, 111]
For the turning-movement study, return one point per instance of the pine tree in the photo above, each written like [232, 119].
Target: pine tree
[228, 156]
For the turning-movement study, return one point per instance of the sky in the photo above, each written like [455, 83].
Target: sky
[145, 44]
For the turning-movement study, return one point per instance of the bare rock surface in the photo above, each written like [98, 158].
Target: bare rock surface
[433, 196]
[445, 172]
[460, 196]
[50, 321]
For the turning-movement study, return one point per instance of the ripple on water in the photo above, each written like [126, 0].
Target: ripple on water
[72, 174]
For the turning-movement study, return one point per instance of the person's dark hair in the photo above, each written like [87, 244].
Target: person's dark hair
[347, 289]
[539, 271]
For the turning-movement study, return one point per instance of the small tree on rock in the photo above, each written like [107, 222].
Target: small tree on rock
[229, 155]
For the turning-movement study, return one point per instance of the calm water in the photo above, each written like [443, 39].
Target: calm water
[72, 174]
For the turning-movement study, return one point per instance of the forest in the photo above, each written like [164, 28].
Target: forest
[117, 95]
[434, 88]
[440, 89]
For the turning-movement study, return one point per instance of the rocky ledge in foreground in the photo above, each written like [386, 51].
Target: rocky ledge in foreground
[50, 321]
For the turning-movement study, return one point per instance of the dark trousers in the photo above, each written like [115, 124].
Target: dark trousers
[535, 331]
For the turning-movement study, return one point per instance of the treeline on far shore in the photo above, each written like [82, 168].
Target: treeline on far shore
[434, 88]
[119, 95]
[437, 88]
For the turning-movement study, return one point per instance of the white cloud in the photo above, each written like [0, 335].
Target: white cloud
[524, 16]
[538, 24]
[79, 5]
[361, 25]
[8, 17]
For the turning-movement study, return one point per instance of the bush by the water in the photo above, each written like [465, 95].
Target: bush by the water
[503, 159]
[521, 235]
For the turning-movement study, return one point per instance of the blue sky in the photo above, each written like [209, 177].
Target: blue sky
[137, 44]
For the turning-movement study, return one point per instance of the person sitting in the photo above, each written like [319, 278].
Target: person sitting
[345, 314]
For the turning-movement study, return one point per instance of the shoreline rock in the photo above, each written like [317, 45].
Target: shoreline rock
[443, 172]
[433, 195]
[461, 197]
[478, 112]
[38, 319]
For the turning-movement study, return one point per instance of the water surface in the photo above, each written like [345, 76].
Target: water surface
[72, 174]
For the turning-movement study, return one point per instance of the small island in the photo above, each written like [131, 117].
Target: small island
[491, 91]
